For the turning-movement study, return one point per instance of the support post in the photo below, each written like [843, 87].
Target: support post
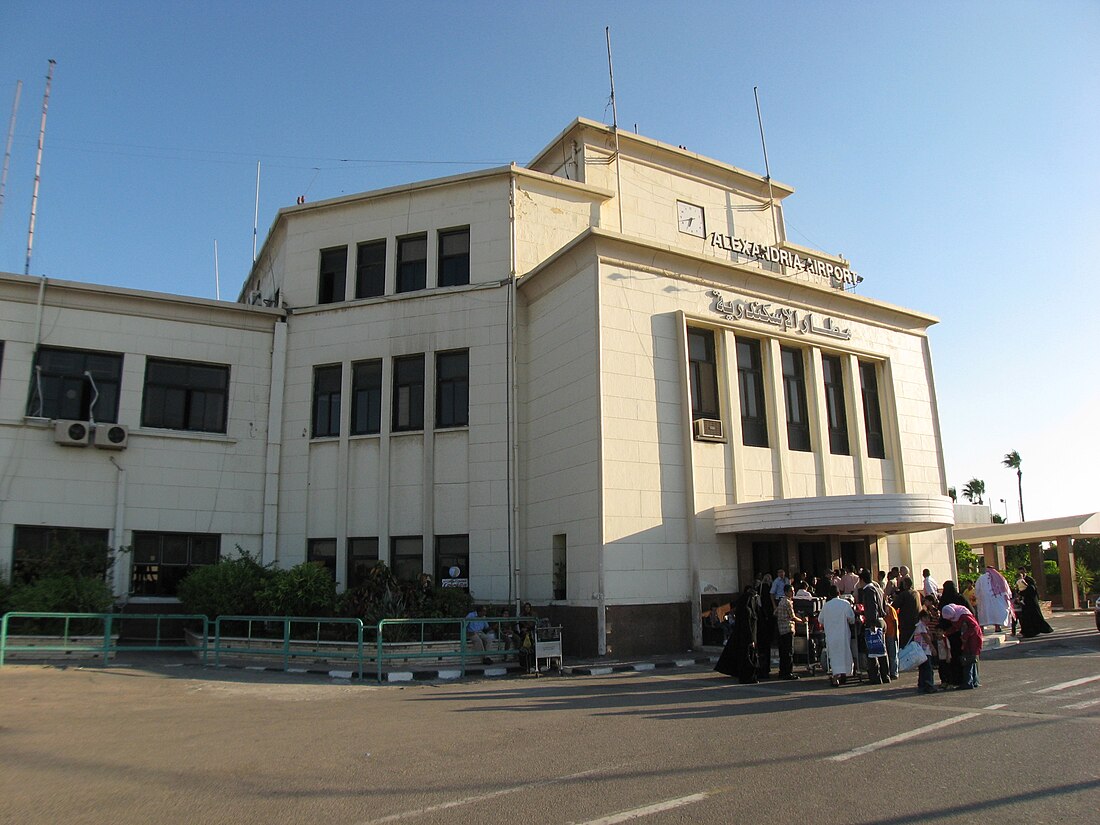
[1035, 551]
[1066, 562]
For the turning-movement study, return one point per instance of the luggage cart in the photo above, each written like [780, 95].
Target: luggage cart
[547, 647]
[811, 641]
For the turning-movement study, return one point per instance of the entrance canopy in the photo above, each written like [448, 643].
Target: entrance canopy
[879, 514]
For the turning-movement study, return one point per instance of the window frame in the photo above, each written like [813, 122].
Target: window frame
[412, 273]
[163, 585]
[872, 409]
[366, 397]
[794, 399]
[375, 287]
[452, 392]
[83, 410]
[446, 262]
[750, 380]
[332, 430]
[332, 282]
[703, 375]
[836, 409]
[163, 422]
[414, 403]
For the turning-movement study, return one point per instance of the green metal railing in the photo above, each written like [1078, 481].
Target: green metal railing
[70, 633]
[452, 644]
[273, 636]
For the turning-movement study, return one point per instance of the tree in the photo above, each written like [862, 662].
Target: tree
[974, 490]
[953, 494]
[1012, 461]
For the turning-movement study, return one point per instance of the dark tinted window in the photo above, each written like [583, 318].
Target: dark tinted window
[872, 412]
[370, 270]
[322, 552]
[794, 394]
[408, 393]
[185, 395]
[75, 384]
[452, 392]
[750, 384]
[162, 560]
[362, 556]
[407, 557]
[835, 405]
[326, 401]
[366, 397]
[412, 263]
[332, 277]
[703, 372]
[454, 257]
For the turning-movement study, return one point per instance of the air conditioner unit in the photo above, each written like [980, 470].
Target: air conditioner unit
[72, 433]
[111, 436]
[709, 429]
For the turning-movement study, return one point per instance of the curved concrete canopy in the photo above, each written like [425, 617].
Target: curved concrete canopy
[881, 514]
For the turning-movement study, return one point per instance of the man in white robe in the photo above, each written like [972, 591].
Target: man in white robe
[838, 617]
[994, 599]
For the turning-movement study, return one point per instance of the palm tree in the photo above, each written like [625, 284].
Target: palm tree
[1012, 461]
[952, 494]
[974, 489]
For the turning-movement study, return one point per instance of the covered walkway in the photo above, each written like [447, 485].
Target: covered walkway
[992, 539]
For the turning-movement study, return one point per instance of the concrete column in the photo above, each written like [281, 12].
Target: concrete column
[1035, 551]
[1066, 560]
[989, 554]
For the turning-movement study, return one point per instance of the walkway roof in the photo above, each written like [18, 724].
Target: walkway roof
[1026, 532]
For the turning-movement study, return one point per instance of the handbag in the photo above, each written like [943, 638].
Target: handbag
[876, 642]
[911, 656]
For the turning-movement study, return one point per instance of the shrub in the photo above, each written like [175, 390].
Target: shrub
[63, 594]
[229, 587]
[305, 590]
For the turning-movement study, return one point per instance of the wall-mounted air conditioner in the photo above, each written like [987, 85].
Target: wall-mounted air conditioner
[72, 433]
[111, 436]
[709, 429]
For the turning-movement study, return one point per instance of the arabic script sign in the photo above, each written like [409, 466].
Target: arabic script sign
[786, 318]
[839, 276]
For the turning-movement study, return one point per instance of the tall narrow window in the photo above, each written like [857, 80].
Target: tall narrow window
[560, 559]
[370, 269]
[834, 405]
[332, 276]
[703, 373]
[362, 556]
[185, 395]
[323, 552]
[326, 401]
[407, 557]
[412, 263]
[366, 397]
[454, 257]
[794, 392]
[76, 384]
[452, 389]
[872, 412]
[408, 393]
[452, 561]
[750, 384]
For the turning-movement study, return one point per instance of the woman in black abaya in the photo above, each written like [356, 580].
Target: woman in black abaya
[739, 656]
[1031, 618]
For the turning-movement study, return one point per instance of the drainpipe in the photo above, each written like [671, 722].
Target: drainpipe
[269, 549]
[119, 586]
[513, 451]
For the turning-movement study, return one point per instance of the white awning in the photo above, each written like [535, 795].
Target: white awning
[877, 514]
[1027, 532]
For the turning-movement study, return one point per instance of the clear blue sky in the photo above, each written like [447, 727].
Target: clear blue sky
[949, 150]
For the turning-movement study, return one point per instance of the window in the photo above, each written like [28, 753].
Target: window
[185, 395]
[407, 556]
[408, 393]
[703, 374]
[834, 405]
[452, 389]
[452, 561]
[750, 384]
[362, 556]
[366, 397]
[454, 257]
[560, 560]
[161, 560]
[75, 384]
[794, 392]
[872, 412]
[326, 400]
[370, 269]
[322, 552]
[39, 551]
[332, 276]
[412, 263]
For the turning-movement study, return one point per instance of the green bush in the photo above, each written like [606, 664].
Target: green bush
[63, 594]
[229, 587]
[1053, 577]
[1085, 579]
[305, 590]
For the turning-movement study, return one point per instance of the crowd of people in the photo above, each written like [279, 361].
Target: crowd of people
[870, 620]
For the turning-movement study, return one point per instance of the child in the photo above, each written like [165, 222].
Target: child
[923, 637]
[970, 635]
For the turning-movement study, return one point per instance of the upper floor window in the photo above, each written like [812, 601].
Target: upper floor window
[872, 411]
[750, 385]
[326, 400]
[332, 277]
[75, 384]
[408, 393]
[703, 374]
[452, 389]
[794, 393]
[366, 397]
[834, 405]
[370, 269]
[185, 395]
[412, 263]
[162, 560]
[454, 257]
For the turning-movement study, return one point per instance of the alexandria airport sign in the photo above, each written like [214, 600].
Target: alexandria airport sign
[839, 276]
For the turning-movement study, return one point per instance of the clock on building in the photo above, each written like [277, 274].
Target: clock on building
[689, 217]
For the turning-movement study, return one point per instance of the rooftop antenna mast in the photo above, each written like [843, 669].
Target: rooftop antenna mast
[767, 169]
[38, 167]
[256, 213]
[217, 277]
[615, 127]
[7, 151]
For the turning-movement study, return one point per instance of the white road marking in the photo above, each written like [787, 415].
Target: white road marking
[994, 707]
[635, 813]
[901, 737]
[482, 797]
[1065, 685]
[1082, 705]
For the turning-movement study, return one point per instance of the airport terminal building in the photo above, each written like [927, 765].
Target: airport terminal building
[603, 382]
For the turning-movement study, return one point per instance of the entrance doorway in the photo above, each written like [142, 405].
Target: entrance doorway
[855, 553]
[767, 557]
[813, 558]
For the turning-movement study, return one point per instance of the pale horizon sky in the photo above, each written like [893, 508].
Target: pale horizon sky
[948, 150]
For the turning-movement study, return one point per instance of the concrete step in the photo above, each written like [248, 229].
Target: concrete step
[993, 641]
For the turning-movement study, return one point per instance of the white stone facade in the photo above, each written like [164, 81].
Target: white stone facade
[577, 467]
